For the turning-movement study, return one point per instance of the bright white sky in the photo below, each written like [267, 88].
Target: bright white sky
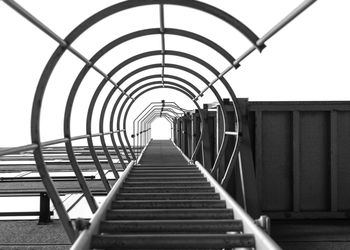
[307, 60]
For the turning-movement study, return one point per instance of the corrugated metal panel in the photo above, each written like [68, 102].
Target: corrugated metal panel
[302, 159]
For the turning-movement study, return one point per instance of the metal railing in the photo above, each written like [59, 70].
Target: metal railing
[84, 240]
[262, 240]
[79, 176]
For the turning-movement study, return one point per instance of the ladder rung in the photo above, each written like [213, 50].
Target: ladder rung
[196, 189]
[170, 241]
[162, 179]
[171, 226]
[142, 204]
[168, 196]
[166, 184]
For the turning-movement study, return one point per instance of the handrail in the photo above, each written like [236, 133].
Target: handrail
[84, 239]
[262, 240]
[19, 149]
[260, 42]
[30, 147]
[143, 151]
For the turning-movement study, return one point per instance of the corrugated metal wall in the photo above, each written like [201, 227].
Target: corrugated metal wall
[301, 154]
[302, 158]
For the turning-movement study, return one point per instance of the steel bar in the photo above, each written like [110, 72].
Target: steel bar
[157, 108]
[133, 84]
[150, 116]
[144, 111]
[23, 12]
[79, 137]
[30, 147]
[89, 123]
[263, 241]
[48, 143]
[103, 141]
[176, 32]
[207, 66]
[178, 67]
[240, 166]
[27, 213]
[162, 31]
[84, 238]
[162, 107]
[97, 134]
[53, 194]
[215, 72]
[81, 179]
[20, 10]
[122, 107]
[142, 120]
[186, 92]
[150, 31]
[19, 149]
[290, 17]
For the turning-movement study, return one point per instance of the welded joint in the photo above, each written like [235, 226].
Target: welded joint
[234, 64]
[260, 46]
[89, 64]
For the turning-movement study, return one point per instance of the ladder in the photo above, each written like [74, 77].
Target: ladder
[163, 202]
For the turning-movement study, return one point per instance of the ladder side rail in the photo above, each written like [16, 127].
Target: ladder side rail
[84, 240]
[262, 240]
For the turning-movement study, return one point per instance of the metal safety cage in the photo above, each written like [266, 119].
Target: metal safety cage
[119, 114]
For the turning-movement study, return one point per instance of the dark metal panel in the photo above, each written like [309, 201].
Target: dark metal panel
[178, 126]
[188, 137]
[212, 134]
[206, 144]
[175, 132]
[182, 134]
[277, 161]
[196, 134]
[247, 173]
[334, 163]
[219, 137]
[343, 160]
[317, 164]
[296, 161]
[315, 161]
[258, 153]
